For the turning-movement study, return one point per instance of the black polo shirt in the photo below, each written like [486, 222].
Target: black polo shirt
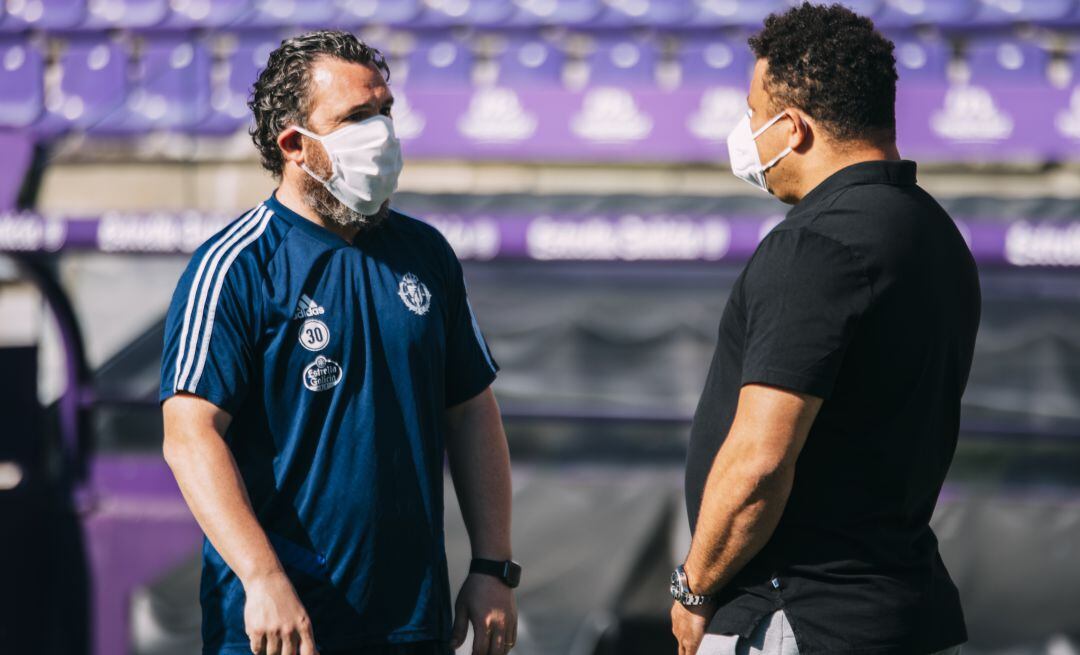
[866, 296]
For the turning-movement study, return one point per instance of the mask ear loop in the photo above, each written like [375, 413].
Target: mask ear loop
[783, 153]
[310, 135]
[772, 162]
[312, 174]
[760, 130]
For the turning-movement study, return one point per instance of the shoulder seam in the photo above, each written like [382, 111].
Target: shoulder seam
[284, 235]
[854, 254]
[220, 256]
[812, 218]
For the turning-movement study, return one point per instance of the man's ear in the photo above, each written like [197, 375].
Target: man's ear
[291, 143]
[801, 134]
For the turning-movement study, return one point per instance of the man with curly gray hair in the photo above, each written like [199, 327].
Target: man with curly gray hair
[321, 358]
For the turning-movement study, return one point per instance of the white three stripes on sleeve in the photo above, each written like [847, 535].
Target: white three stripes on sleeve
[195, 284]
[212, 271]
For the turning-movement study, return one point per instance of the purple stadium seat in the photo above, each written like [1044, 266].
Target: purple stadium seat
[624, 13]
[998, 12]
[170, 89]
[526, 62]
[441, 62]
[622, 62]
[907, 13]
[922, 61]
[1007, 61]
[21, 74]
[229, 94]
[125, 13]
[206, 13]
[284, 13]
[736, 12]
[43, 14]
[442, 13]
[555, 12]
[93, 83]
[715, 62]
[381, 12]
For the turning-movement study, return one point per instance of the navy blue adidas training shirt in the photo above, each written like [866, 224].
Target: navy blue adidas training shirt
[336, 361]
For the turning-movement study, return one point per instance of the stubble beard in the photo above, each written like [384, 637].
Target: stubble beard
[329, 208]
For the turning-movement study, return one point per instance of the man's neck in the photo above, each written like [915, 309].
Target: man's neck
[841, 159]
[291, 197]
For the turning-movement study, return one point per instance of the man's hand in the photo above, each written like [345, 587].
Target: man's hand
[274, 619]
[688, 625]
[489, 605]
[206, 472]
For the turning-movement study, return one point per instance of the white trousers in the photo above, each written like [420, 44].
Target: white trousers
[773, 636]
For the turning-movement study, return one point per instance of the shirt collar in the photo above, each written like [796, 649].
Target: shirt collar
[897, 173]
[298, 221]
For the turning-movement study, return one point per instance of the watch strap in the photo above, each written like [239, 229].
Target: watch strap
[508, 571]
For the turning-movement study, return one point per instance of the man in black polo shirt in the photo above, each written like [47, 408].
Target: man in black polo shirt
[835, 387]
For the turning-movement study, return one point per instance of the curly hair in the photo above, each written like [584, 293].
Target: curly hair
[831, 63]
[280, 96]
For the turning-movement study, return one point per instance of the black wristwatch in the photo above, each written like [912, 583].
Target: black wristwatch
[509, 571]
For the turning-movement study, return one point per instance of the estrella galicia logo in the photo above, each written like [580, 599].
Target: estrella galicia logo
[414, 294]
[322, 374]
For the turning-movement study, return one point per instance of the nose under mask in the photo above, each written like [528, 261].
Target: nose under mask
[366, 162]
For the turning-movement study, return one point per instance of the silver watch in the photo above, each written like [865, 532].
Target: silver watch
[680, 590]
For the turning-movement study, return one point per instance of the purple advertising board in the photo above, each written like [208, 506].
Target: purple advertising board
[485, 236]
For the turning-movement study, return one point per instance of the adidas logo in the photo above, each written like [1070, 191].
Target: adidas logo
[307, 308]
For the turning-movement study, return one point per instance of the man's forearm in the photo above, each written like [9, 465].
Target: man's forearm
[749, 483]
[211, 484]
[480, 467]
[740, 509]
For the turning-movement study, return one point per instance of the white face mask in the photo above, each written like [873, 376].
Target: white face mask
[743, 153]
[366, 160]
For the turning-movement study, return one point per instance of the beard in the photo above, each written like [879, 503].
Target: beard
[329, 208]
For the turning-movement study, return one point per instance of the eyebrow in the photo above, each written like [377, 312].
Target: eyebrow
[367, 106]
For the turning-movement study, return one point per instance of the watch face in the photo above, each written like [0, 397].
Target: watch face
[676, 587]
[513, 575]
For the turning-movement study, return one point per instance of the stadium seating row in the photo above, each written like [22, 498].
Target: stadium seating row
[174, 81]
[183, 14]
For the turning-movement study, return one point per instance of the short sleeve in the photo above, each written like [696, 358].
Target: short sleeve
[803, 294]
[208, 335]
[470, 367]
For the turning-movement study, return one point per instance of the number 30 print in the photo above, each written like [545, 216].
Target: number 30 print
[314, 335]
